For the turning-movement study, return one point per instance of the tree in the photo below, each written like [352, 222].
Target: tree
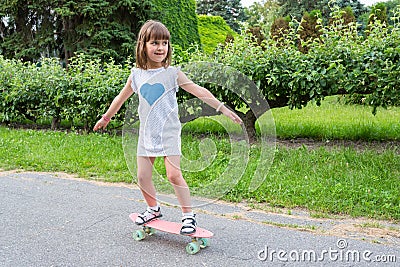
[279, 30]
[99, 28]
[378, 13]
[309, 30]
[357, 7]
[392, 7]
[343, 62]
[297, 8]
[184, 29]
[61, 28]
[27, 30]
[262, 14]
[103, 28]
[213, 31]
[230, 10]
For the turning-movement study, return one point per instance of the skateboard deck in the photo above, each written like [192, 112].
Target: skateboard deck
[200, 239]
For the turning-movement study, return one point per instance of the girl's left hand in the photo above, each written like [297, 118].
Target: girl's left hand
[232, 115]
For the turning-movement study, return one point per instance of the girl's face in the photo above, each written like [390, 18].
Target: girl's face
[156, 51]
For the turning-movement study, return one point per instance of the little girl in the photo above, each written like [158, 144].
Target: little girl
[156, 83]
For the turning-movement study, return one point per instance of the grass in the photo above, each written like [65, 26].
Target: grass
[335, 180]
[333, 120]
[90, 156]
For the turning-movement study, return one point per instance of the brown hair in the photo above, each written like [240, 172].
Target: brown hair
[152, 29]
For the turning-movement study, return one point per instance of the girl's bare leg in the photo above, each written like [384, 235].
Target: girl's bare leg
[145, 181]
[174, 174]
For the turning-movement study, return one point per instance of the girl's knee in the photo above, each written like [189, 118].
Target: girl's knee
[143, 179]
[175, 177]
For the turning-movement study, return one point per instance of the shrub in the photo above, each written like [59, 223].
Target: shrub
[310, 29]
[344, 62]
[213, 31]
[49, 92]
[280, 29]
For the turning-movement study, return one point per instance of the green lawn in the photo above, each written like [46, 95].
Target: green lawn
[325, 180]
[333, 120]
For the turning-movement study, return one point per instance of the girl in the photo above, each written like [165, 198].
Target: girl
[156, 83]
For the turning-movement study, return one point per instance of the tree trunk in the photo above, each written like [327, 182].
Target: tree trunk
[55, 123]
[249, 121]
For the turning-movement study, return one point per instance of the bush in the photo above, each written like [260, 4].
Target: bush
[213, 31]
[279, 29]
[310, 29]
[46, 91]
[342, 62]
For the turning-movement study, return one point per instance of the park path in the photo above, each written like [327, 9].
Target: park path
[56, 220]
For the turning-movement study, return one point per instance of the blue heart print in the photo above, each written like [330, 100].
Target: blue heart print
[151, 92]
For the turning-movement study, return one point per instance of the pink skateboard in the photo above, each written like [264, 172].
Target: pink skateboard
[200, 239]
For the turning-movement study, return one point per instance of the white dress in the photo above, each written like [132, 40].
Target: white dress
[160, 128]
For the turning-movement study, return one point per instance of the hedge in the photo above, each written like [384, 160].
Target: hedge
[47, 91]
[213, 31]
[343, 62]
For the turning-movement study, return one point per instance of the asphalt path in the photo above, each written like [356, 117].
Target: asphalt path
[53, 220]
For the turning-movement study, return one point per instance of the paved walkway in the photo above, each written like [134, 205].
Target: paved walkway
[52, 220]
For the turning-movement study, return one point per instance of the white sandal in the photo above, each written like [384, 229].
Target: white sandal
[148, 216]
[188, 225]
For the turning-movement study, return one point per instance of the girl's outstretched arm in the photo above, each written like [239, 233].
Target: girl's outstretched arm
[117, 103]
[206, 96]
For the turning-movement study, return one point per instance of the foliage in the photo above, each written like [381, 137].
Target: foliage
[25, 100]
[257, 33]
[91, 89]
[378, 13]
[296, 8]
[391, 7]
[377, 69]
[385, 12]
[102, 29]
[309, 30]
[230, 10]
[46, 91]
[213, 31]
[262, 15]
[28, 30]
[346, 18]
[341, 62]
[183, 28]
[279, 30]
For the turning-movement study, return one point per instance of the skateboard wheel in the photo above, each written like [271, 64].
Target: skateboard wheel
[204, 242]
[150, 231]
[192, 248]
[139, 235]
